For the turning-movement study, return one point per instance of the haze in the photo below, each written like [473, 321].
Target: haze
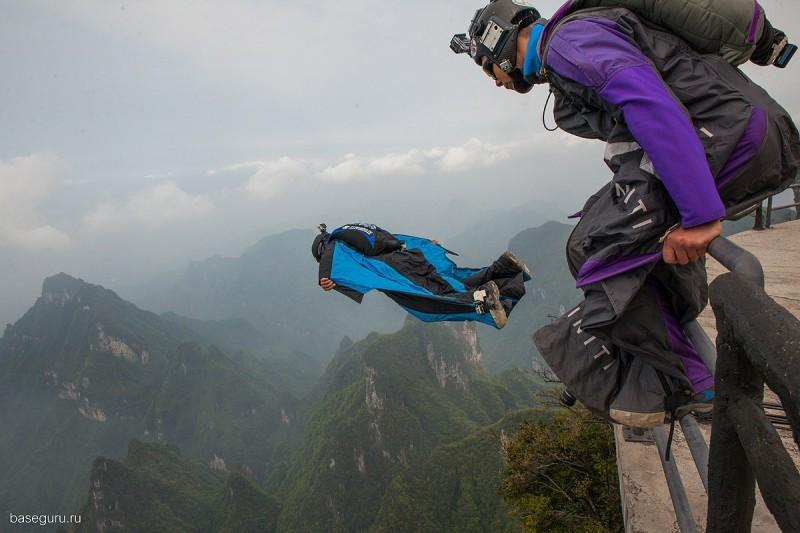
[140, 135]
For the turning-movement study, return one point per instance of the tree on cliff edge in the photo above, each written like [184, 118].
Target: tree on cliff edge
[561, 475]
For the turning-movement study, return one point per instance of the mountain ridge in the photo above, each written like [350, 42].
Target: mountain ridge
[83, 372]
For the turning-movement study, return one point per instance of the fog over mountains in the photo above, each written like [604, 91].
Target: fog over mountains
[253, 389]
[261, 388]
[84, 371]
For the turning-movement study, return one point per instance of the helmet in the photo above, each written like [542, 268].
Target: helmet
[318, 246]
[493, 34]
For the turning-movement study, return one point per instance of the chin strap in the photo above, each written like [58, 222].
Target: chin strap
[521, 83]
[544, 112]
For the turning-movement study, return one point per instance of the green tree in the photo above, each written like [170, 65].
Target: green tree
[561, 475]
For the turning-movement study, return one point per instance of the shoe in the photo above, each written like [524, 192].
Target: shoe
[510, 263]
[488, 300]
[702, 402]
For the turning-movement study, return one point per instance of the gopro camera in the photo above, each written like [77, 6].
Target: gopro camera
[460, 43]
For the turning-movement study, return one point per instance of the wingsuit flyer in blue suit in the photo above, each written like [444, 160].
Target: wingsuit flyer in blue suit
[417, 273]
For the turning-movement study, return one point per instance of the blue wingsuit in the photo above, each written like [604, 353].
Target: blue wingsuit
[413, 271]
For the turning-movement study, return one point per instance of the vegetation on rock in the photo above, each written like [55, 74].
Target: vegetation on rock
[561, 475]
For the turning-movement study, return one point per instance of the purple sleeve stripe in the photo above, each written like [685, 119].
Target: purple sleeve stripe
[754, 25]
[668, 137]
[595, 270]
[746, 149]
[596, 54]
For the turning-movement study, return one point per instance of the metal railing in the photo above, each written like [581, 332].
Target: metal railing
[771, 208]
[744, 444]
[734, 259]
[759, 341]
[725, 468]
[763, 216]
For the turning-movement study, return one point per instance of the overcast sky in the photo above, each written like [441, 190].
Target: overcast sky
[139, 135]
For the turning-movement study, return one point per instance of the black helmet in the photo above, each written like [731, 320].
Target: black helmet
[318, 246]
[493, 34]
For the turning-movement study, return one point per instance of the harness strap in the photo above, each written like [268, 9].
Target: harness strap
[671, 406]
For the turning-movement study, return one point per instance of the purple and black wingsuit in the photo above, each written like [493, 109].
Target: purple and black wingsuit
[690, 139]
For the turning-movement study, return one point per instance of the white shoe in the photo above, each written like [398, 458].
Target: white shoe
[489, 301]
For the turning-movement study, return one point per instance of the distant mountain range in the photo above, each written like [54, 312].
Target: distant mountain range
[405, 433]
[398, 421]
[550, 292]
[273, 285]
[84, 372]
[481, 243]
[226, 404]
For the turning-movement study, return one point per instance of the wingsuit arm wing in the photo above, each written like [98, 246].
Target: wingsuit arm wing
[325, 271]
[598, 55]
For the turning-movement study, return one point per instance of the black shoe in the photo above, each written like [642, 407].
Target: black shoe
[509, 264]
[518, 264]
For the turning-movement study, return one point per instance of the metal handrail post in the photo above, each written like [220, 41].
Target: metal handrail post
[697, 445]
[759, 224]
[703, 344]
[769, 211]
[680, 502]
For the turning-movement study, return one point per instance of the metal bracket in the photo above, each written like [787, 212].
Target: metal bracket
[637, 435]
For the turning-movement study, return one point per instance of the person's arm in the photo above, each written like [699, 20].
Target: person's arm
[325, 275]
[596, 54]
[325, 267]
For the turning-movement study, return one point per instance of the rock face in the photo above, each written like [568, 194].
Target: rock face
[118, 348]
[61, 289]
[374, 400]
[453, 371]
[155, 489]
[386, 405]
